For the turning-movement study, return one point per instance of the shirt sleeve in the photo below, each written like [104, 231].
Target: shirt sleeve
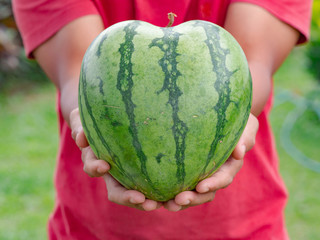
[296, 13]
[38, 20]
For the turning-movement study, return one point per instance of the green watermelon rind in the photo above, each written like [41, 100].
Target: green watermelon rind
[164, 127]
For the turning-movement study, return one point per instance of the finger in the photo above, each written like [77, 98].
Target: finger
[120, 195]
[247, 139]
[192, 198]
[172, 206]
[222, 178]
[239, 151]
[251, 132]
[81, 139]
[77, 130]
[75, 122]
[92, 166]
[150, 205]
[131, 198]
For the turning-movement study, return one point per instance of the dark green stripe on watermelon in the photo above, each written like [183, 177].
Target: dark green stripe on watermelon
[83, 85]
[104, 37]
[113, 157]
[124, 85]
[114, 123]
[168, 44]
[222, 86]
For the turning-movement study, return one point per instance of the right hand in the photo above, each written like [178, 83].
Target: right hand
[99, 168]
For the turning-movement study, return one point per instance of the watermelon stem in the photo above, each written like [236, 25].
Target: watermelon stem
[171, 17]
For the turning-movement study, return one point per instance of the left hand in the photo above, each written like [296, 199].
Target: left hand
[223, 177]
[99, 168]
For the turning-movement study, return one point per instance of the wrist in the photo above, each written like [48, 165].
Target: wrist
[261, 86]
[68, 99]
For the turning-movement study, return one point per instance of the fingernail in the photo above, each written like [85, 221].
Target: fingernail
[178, 208]
[133, 201]
[205, 189]
[79, 130]
[187, 202]
[243, 150]
[102, 170]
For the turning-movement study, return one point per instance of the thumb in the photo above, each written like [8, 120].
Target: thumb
[247, 139]
[77, 130]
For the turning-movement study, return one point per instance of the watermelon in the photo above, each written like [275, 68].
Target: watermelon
[165, 107]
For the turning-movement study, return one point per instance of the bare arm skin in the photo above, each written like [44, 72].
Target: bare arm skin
[61, 56]
[266, 42]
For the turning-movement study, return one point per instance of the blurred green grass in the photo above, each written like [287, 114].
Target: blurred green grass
[28, 146]
[29, 140]
[303, 208]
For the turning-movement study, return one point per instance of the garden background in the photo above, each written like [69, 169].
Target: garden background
[29, 136]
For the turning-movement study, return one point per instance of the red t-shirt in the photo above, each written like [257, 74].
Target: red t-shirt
[250, 208]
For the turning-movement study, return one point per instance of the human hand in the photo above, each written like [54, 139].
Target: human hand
[91, 165]
[99, 168]
[223, 177]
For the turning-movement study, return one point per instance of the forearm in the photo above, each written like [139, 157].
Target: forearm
[266, 42]
[61, 57]
[69, 98]
[261, 86]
